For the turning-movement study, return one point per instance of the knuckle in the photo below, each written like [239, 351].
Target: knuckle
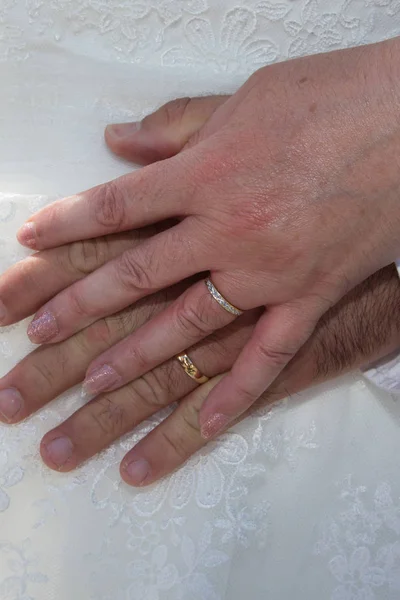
[101, 334]
[48, 221]
[43, 375]
[190, 418]
[183, 434]
[176, 442]
[274, 356]
[156, 389]
[175, 110]
[161, 383]
[129, 320]
[133, 275]
[77, 303]
[148, 392]
[172, 380]
[193, 321]
[86, 256]
[137, 358]
[246, 395]
[109, 206]
[121, 324]
[109, 417]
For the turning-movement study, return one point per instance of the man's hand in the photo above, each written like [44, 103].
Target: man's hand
[363, 327]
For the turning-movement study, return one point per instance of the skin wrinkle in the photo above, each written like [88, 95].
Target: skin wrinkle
[111, 418]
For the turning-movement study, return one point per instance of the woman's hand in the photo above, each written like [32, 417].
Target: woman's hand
[288, 195]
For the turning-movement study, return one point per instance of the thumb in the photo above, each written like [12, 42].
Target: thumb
[163, 133]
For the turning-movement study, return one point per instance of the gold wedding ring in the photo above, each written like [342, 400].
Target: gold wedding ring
[221, 300]
[191, 369]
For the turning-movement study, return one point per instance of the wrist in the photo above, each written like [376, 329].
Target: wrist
[361, 329]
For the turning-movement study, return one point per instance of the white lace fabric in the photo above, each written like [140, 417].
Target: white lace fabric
[298, 502]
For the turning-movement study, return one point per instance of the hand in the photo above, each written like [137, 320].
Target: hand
[287, 195]
[360, 329]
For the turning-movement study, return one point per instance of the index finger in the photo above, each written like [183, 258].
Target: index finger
[48, 272]
[143, 197]
[156, 264]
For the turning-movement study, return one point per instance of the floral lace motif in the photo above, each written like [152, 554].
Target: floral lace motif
[22, 577]
[363, 543]
[208, 35]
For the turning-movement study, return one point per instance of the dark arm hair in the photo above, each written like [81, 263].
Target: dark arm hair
[362, 328]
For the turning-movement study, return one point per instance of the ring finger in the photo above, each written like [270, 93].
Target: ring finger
[191, 318]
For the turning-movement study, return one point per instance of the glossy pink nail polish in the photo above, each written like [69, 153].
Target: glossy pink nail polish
[43, 328]
[27, 235]
[102, 379]
[215, 425]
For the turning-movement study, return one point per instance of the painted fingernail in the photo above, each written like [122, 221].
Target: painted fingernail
[43, 328]
[215, 425]
[3, 312]
[137, 471]
[101, 379]
[60, 450]
[27, 235]
[123, 130]
[11, 402]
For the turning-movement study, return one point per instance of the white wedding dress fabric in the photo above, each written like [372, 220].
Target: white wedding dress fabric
[298, 502]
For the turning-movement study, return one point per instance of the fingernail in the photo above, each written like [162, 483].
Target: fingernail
[60, 450]
[101, 379]
[3, 312]
[137, 471]
[214, 425]
[11, 402]
[123, 130]
[27, 235]
[43, 328]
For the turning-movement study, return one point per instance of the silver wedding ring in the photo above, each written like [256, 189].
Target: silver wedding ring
[221, 300]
